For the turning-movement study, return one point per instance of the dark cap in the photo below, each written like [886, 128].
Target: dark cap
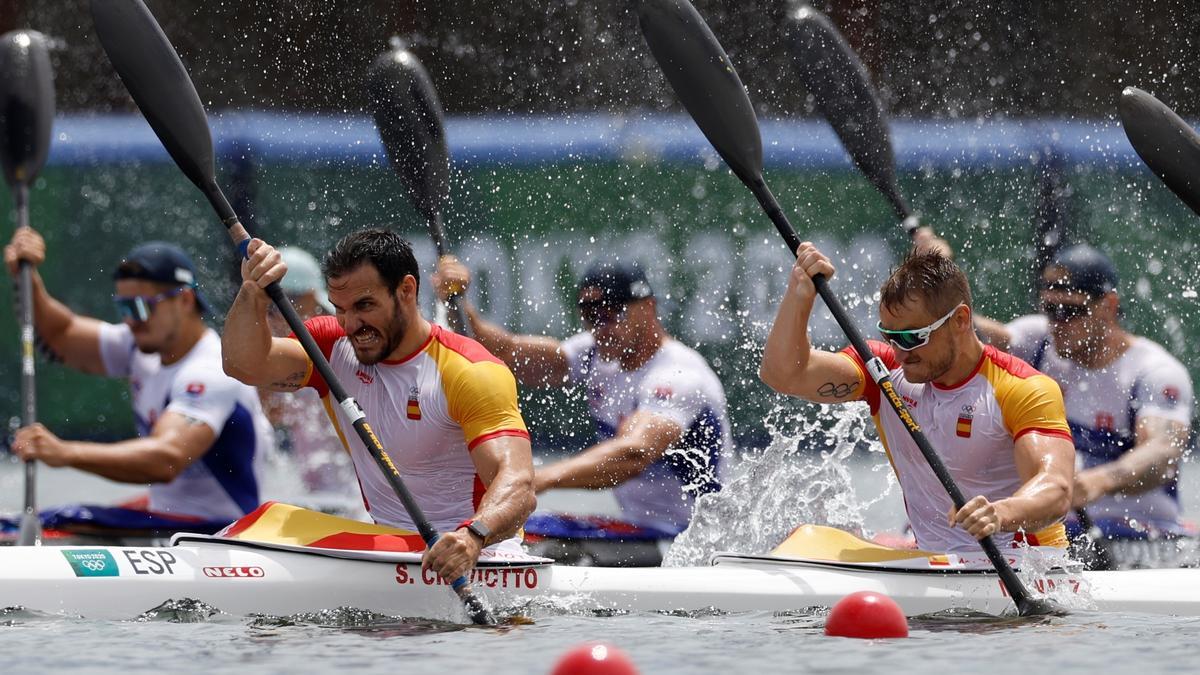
[619, 282]
[164, 263]
[1087, 271]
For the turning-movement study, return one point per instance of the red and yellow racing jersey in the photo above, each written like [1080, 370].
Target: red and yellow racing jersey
[973, 426]
[429, 410]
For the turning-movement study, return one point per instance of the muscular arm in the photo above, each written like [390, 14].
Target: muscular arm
[1046, 464]
[992, 332]
[1149, 464]
[174, 443]
[642, 440]
[505, 465]
[250, 354]
[791, 366]
[535, 360]
[73, 338]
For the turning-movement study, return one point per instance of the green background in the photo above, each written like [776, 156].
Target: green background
[91, 214]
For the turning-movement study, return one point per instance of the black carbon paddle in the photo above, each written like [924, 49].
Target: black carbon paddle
[162, 89]
[26, 116]
[709, 88]
[1167, 144]
[409, 118]
[841, 87]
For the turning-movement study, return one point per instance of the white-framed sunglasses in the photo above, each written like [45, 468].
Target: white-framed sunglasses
[913, 338]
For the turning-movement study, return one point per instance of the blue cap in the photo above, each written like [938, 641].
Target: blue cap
[163, 263]
[619, 283]
[1087, 271]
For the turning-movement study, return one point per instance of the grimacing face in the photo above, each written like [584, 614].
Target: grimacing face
[931, 361]
[372, 316]
[166, 316]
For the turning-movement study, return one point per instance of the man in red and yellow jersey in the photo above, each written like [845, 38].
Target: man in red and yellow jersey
[443, 407]
[998, 424]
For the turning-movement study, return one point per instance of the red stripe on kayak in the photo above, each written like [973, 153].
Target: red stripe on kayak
[245, 522]
[398, 543]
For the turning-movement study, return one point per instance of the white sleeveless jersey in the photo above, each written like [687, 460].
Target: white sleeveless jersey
[223, 484]
[429, 410]
[1105, 404]
[678, 384]
[973, 426]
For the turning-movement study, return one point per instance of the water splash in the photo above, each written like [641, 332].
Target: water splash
[185, 610]
[803, 476]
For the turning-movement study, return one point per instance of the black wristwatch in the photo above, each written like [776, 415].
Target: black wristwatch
[478, 529]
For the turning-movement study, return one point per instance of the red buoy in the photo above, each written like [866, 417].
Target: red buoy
[868, 615]
[594, 659]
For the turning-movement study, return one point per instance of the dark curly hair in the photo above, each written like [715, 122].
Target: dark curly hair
[390, 254]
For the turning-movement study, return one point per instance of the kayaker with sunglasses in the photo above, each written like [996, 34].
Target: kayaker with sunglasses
[201, 434]
[659, 409]
[1129, 401]
[998, 424]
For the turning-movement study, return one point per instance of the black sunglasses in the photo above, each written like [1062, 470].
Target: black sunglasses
[1061, 312]
[600, 313]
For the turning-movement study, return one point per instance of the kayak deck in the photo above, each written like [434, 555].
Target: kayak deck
[242, 579]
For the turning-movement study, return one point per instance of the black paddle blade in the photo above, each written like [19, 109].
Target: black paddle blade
[159, 84]
[26, 105]
[705, 81]
[1165, 143]
[409, 118]
[838, 81]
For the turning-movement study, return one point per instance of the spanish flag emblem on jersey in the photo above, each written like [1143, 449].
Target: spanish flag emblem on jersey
[963, 428]
[413, 408]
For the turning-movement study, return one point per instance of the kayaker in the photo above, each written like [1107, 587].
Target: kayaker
[1128, 400]
[300, 420]
[659, 409]
[443, 407]
[201, 434]
[998, 424]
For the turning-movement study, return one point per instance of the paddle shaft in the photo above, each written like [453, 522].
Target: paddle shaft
[456, 316]
[882, 377]
[30, 533]
[1102, 555]
[155, 77]
[408, 116]
[478, 612]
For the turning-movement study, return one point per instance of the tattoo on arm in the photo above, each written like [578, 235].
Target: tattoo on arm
[191, 421]
[837, 389]
[292, 382]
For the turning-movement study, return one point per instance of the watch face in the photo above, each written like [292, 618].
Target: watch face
[479, 529]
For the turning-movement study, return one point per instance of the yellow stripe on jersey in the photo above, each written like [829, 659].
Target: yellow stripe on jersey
[327, 401]
[1055, 535]
[481, 395]
[1029, 400]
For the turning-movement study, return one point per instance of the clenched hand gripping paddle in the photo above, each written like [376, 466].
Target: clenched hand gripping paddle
[162, 89]
[708, 86]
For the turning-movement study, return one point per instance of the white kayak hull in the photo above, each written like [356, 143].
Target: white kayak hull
[242, 579]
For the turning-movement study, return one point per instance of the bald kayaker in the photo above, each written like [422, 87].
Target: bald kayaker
[997, 423]
[1128, 400]
[201, 434]
[659, 409]
[443, 407]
